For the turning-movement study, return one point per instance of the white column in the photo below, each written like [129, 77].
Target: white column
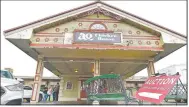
[60, 96]
[96, 73]
[96, 68]
[37, 80]
[79, 90]
[150, 68]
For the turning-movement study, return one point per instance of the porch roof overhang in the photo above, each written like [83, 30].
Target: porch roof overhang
[20, 36]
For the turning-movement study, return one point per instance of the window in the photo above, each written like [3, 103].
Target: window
[98, 26]
[6, 74]
[27, 88]
[69, 85]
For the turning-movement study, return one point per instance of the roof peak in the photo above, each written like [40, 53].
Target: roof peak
[93, 3]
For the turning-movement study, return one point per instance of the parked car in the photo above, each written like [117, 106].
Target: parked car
[11, 89]
[28, 94]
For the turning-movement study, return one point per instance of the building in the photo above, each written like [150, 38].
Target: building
[49, 81]
[135, 81]
[92, 40]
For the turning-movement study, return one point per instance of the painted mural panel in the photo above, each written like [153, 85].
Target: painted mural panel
[73, 92]
[64, 33]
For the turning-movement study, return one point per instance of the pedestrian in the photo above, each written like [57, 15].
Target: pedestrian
[53, 93]
[49, 92]
[56, 91]
[45, 93]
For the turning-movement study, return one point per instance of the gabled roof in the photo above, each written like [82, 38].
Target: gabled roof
[23, 44]
[46, 18]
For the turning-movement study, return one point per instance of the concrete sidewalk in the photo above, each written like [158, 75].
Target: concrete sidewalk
[102, 103]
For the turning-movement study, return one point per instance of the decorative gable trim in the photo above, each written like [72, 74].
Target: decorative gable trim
[74, 12]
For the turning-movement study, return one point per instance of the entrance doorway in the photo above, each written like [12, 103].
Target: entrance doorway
[83, 94]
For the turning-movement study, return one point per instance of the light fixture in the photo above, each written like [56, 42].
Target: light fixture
[76, 70]
[71, 60]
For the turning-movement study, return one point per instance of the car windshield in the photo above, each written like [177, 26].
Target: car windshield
[6, 74]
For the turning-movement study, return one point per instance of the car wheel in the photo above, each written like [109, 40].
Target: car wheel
[178, 100]
[28, 100]
[185, 100]
[40, 97]
[166, 100]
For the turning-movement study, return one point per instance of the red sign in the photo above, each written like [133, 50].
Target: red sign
[155, 89]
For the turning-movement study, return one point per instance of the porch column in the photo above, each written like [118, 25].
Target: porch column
[96, 73]
[150, 68]
[37, 80]
[60, 95]
[96, 68]
[79, 91]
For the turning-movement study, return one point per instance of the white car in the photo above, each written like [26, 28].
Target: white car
[11, 89]
[28, 94]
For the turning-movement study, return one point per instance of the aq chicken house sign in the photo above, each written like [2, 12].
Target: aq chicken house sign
[97, 37]
[155, 89]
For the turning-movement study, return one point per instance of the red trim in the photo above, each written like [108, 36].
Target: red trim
[96, 46]
[103, 31]
[98, 21]
[48, 33]
[142, 38]
[48, 36]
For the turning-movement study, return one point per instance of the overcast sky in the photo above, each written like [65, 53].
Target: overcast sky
[171, 14]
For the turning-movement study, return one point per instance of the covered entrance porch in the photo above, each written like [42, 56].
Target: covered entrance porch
[74, 71]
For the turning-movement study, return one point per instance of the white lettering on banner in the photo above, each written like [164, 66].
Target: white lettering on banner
[150, 95]
[87, 36]
[90, 36]
[161, 81]
[99, 38]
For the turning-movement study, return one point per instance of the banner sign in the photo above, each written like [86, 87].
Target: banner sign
[97, 37]
[155, 89]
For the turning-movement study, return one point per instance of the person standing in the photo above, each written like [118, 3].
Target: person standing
[53, 94]
[49, 93]
[56, 91]
[45, 93]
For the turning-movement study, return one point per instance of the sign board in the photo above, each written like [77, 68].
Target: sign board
[155, 89]
[97, 37]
